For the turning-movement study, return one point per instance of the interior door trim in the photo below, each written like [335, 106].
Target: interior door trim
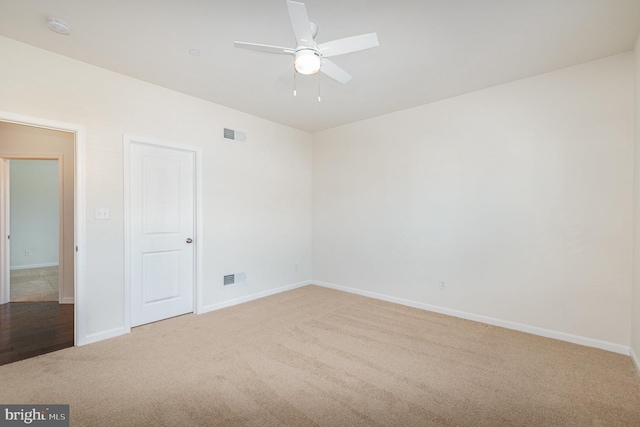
[5, 253]
[80, 323]
[128, 140]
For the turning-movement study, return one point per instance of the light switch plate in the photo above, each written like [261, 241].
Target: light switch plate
[102, 213]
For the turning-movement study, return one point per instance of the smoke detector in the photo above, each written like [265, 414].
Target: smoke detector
[58, 26]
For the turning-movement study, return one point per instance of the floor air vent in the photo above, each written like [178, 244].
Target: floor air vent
[234, 135]
[234, 279]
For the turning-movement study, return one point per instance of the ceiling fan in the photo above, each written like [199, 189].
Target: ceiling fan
[310, 57]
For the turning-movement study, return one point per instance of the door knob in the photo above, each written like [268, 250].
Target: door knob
[189, 240]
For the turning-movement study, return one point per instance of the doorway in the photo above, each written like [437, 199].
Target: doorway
[36, 199]
[23, 142]
[162, 250]
[37, 256]
[162, 209]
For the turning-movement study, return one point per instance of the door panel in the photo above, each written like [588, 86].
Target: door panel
[162, 222]
[161, 276]
[161, 213]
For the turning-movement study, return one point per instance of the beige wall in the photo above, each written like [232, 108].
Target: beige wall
[635, 329]
[256, 196]
[517, 197]
[31, 142]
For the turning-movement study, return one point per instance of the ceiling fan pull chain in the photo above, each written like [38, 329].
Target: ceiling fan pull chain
[319, 99]
[294, 80]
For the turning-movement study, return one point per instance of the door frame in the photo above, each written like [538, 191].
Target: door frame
[5, 210]
[80, 312]
[5, 180]
[127, 141]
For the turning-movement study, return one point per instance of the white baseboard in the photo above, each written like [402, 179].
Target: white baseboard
[100, 336]
[247, 298]
[112, 333]
[26, 267]
[635, 359]
[67, 300]
[548, 333]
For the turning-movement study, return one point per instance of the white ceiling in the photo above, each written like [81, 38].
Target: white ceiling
[429, 49]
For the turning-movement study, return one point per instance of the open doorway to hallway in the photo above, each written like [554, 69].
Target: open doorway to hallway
[38, 252]
[35, 240]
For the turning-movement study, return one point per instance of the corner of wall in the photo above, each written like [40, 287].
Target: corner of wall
[635, 292]
[635, 359]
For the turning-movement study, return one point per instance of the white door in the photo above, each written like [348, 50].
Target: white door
[162, 182]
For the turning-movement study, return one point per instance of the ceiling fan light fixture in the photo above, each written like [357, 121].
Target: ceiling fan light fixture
[307, 61]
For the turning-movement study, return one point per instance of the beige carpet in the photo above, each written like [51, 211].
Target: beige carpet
[315, 356]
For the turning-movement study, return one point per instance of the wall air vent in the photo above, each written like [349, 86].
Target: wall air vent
[234, 279]
[234, 135]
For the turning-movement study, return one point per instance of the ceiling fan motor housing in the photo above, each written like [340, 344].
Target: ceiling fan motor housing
[307, 60]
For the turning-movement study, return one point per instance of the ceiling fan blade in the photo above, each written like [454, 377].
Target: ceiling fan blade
[300, 23]
[349, 44]
[335, 72]
[264, 47]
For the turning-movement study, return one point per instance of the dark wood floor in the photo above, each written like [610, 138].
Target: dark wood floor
[28, 329]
